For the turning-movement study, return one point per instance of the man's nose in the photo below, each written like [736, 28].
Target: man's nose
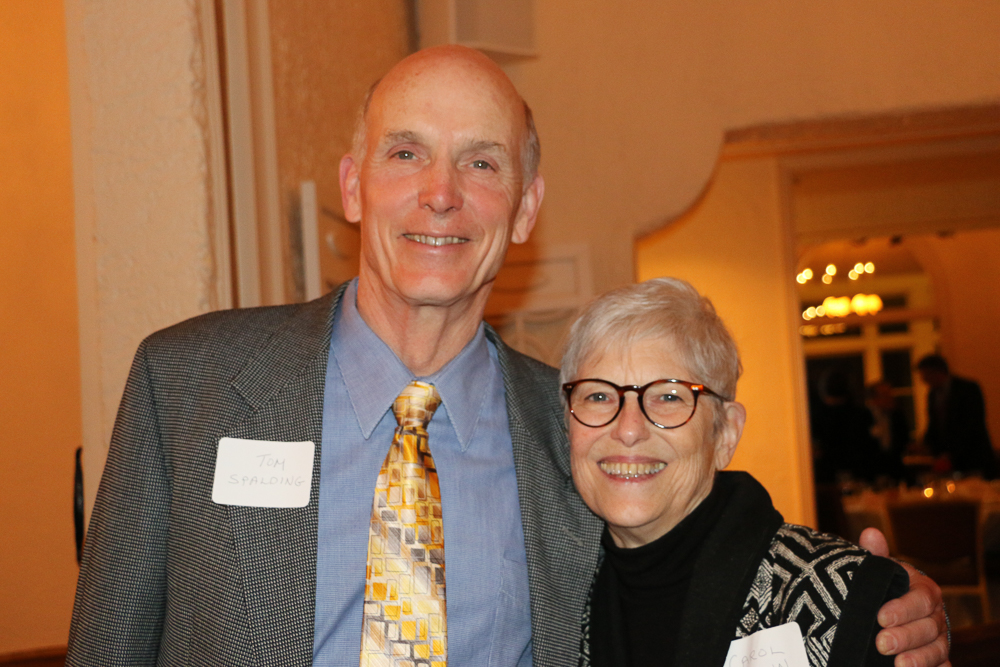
[441, 191]
[631, 427]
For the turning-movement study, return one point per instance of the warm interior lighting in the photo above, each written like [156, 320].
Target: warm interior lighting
[928, 492]
[866, 304]
[812, 330]
[842, 306]
[951, 487]
[837, 306]
[856, 272]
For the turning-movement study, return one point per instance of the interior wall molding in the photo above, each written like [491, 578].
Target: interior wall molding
[214, 128]
[257, 228]
[854, 131]
[85, 226]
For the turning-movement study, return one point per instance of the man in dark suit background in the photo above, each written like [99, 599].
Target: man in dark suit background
[442, 176]
[956, 424]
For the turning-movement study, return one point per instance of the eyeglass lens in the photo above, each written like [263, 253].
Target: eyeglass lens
[669, 404]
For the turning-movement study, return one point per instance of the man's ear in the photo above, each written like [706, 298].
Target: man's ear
[527, 213]
[734, 417]
[350, 188]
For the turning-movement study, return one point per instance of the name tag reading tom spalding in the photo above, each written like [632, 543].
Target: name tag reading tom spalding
[780, 646]
[260, 473]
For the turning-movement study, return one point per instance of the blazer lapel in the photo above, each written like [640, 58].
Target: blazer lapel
[276, 547]
[561, 535]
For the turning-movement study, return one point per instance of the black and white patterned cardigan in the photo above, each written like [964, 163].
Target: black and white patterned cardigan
[755, 571]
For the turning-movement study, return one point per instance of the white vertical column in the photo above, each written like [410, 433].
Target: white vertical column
[310, 240]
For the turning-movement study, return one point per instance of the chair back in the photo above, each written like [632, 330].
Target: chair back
[941, 537]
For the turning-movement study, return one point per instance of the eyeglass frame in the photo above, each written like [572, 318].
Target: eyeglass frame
[696, 388]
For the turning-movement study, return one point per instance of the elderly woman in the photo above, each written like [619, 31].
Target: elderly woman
[694, 558]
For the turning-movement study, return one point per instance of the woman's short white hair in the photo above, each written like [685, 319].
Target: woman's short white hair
[659, 308]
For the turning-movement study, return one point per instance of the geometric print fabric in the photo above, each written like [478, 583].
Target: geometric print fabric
[404, 611]
[804, 578]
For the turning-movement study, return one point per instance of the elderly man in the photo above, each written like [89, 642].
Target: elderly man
[192, 558]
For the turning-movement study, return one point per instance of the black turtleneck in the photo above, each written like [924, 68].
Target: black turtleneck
[638, 597]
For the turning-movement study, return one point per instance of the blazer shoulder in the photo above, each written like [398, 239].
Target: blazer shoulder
[520, 360]
[532, 385]
[532, 367]
[519, 365]
[229, 335]
[236, 325]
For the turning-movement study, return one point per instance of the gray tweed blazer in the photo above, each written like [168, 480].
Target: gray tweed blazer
[171, 578]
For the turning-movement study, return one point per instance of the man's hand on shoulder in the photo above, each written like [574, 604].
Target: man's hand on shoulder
[915, 629]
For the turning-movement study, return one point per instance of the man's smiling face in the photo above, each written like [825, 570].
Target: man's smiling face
[440, 193]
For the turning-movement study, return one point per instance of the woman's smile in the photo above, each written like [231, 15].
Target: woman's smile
[631, 471]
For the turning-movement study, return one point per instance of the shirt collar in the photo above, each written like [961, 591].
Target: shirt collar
[374, 375]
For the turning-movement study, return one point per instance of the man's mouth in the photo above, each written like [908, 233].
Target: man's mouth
[631, 470]
[435, 241]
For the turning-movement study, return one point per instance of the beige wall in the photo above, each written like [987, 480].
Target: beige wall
[325, 55]
[142, 169]
[632, 98]
[39, 353]
[733, 247]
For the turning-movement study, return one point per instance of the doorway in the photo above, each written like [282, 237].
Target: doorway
[928, 182]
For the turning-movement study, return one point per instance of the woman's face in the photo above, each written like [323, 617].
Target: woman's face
[674, 467]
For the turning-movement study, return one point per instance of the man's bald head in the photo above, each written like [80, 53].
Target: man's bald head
[461, 60]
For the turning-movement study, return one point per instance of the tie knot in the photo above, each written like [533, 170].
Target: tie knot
[416, 404]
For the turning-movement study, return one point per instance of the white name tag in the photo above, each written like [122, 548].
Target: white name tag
[780, 646]
[260, 473]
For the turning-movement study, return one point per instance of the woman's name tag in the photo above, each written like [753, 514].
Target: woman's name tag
[780, 646]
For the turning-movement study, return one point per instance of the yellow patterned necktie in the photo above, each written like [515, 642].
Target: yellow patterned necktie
[404, 617]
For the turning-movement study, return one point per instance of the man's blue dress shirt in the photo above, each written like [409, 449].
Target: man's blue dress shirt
[486, 573]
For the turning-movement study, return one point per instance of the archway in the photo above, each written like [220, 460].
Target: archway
[781, 189]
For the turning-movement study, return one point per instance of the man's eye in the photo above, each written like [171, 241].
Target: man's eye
[597, 397]
[405, 155]
[481, 164]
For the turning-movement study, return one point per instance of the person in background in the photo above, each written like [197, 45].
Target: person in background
[841, 432]
[890, 430]
[956, 419]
